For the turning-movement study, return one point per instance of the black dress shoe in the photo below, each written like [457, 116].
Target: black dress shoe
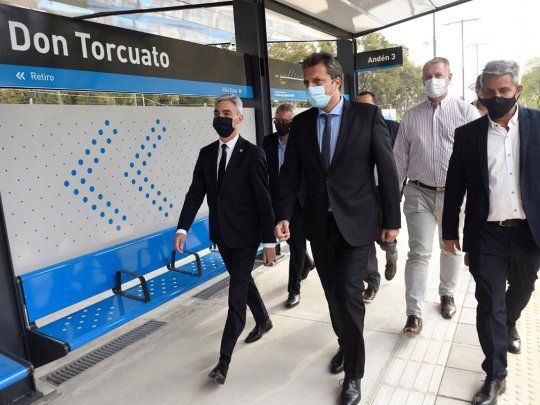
[448, 308]
[490, 391]
[369, 294]
[413, 327]
[350, 393]
[514, 341]
[259, 330]
[308, 266]
[390, 271]
[219, 373]
[336, 364]
[293, 300]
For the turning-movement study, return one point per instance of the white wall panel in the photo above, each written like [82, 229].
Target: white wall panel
[76, 179]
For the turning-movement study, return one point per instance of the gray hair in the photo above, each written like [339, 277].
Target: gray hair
[286, 108]
[333, 68]
[478, 85]
[502, 67]
[437, 60]
[237, 101]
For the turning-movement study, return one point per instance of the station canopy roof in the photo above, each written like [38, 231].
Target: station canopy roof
[287, 20]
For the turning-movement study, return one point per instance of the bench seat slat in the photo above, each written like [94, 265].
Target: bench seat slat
[11, 372]
[85, 325]
[59, 286]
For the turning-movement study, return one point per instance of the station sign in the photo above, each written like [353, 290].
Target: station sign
[45, 51]
[379, 59]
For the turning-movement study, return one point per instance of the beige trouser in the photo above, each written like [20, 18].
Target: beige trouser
[423, 210]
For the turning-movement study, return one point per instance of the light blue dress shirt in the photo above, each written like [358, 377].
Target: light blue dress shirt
[335, 118]
[281, 153]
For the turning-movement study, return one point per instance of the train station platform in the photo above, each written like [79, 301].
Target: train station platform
[290, 364]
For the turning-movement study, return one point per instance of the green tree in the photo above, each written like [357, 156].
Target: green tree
[296, 51]
[531, 84]
[399, 88]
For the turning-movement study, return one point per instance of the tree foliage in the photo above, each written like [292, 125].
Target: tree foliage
[531, 84]
[296, 51]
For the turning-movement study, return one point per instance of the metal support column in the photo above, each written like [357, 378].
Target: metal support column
[346, 55]
[250, 37]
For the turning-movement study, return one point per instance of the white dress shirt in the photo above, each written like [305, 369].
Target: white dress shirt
[503, 167]
[425, 139]
[230, 148]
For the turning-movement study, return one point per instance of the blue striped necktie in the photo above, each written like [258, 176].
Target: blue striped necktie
[325, 147]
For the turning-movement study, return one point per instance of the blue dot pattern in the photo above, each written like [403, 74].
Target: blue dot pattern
[135, 175]
[136, 172]
[96, 200]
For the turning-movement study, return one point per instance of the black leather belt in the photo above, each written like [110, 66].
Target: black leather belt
[420, 184]
[511, 223]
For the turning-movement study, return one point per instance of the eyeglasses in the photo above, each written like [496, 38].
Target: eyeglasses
[276, 121]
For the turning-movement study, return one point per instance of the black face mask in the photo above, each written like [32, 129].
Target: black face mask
[282, 128]
[498, 107]
[223, 126]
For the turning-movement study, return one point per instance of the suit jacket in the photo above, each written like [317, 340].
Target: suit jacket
[348, 186]
[241, 212]
[468, 173]
[393, 127]
[271, 148]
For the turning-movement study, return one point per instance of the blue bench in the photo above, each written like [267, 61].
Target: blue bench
[57, 287]
[13, 370]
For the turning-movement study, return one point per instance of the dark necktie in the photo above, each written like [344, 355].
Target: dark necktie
[222, 164]
[325, 147]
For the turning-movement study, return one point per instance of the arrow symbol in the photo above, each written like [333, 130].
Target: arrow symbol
[20, 76]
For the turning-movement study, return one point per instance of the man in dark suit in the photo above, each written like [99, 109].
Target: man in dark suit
[231, 172]
[300, 263]
[336, 145]
[373, 277]
[495, 161]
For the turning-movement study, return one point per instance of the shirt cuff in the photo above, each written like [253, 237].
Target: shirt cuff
[269, 245]
[182, 231]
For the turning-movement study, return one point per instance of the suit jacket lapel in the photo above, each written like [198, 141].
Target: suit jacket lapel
[213, 163]
[524, 129]
[313, 135]
[235, 158]
[343, 136]
[482, 152]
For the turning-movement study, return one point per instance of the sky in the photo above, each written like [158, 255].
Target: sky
[507, 29]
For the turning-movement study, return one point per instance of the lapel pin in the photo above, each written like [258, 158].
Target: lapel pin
[241, 150]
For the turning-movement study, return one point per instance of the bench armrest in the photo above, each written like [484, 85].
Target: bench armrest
[172, 265]
[117, 289]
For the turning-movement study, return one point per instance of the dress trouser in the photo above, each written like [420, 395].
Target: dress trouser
[297, 248]
[423, 210]
[242, 292]
[501, 254]
[373, 277]
[341, 268]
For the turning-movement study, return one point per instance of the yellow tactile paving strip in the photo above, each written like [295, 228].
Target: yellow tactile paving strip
[523, 381]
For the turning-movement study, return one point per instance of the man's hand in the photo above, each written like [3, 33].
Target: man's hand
[269, 255]
[282, 231]
[452, 246]
[389, 235]
[179, 242]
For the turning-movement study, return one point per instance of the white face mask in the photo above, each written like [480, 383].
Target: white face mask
[435, 87]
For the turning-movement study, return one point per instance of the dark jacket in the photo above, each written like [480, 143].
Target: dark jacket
[349, 186]
[241, 212]
[393, 128]
[271, 148]
[468, 173]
